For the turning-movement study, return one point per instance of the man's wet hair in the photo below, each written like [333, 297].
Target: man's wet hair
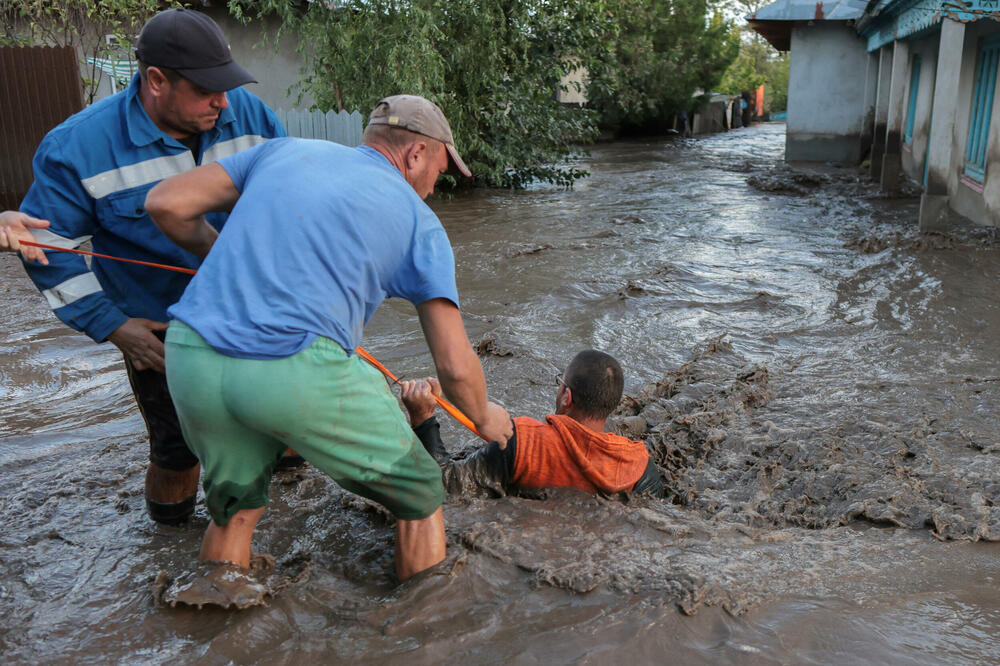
[597, 381]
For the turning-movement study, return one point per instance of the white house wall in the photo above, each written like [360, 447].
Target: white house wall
[826, 102]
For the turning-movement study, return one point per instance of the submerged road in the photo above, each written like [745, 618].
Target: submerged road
[816, 379]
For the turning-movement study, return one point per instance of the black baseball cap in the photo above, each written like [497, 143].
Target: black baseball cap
[193, 45]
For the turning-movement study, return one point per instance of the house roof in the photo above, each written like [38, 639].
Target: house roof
[811, 10]
[774, 22]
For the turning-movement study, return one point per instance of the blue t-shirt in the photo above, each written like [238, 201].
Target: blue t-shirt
[320, 236]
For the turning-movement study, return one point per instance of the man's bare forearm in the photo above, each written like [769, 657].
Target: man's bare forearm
[459, 370]
[195, 235]
[178, 205]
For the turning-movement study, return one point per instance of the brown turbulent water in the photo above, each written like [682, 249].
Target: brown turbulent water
[816, 380]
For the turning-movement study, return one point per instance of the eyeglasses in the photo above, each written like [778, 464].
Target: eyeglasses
[562, 382]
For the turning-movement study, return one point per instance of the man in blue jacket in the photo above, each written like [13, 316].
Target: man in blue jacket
[92, 173]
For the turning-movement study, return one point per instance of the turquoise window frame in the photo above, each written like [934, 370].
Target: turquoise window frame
[982, 108]
[911, 112]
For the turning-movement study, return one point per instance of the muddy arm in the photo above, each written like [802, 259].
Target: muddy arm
[650, 482]
[489, 469]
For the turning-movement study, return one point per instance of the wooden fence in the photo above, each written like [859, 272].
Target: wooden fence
[39, 88]
[339, 126]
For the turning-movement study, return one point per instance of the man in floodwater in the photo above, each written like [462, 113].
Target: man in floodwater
[184, 107]
[571, 449]
[260, 352]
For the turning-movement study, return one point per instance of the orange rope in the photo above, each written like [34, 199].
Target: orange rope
[178, 269]
[447, 406]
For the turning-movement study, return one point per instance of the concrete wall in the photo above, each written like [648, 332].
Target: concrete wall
[915, 152]
[275, 72]
[715, 117]
[982, 208]
[871, 95]
[827, 94]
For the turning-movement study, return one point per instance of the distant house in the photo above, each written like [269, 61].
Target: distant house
[908, 83]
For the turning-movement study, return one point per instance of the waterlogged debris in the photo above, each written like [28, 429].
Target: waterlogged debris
[963, 237]
[489, 346]
[787, 180]
[628, 219]
[919, 242]
[528, 251]
[686, 413]
[630, 290]
[709, 430]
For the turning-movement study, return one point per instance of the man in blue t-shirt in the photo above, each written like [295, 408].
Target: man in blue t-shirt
[260, 350]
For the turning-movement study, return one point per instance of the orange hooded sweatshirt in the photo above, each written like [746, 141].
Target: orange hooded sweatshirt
[564, 453]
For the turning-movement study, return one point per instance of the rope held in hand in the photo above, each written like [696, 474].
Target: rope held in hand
[447, 406]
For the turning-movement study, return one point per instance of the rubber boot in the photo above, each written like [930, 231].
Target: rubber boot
[291, 460]
[170, 494]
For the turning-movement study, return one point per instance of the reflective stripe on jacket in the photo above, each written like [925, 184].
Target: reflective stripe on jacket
[92, 173]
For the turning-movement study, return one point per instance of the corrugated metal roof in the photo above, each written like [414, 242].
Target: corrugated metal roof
[811, 10]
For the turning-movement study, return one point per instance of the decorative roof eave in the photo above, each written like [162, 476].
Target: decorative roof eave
[901, 19]
[810, 10]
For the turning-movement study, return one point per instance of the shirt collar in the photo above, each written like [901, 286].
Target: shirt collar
[378, 157]
[143, 131]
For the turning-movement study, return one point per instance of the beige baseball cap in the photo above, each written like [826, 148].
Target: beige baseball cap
[419, 115]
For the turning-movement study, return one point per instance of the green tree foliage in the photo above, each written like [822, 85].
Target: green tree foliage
[664, 52]
[758, 62]
[776, 86]
[96, 28]
[494, 66]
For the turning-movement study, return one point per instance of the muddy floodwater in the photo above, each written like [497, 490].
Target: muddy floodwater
[816, 380]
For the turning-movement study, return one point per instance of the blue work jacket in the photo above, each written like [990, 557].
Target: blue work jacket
[92, 174]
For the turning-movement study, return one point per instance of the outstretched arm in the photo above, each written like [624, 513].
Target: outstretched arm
[459, 370]
[178, 206]
[16, 227]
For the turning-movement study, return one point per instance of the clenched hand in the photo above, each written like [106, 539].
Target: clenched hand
[136, 340]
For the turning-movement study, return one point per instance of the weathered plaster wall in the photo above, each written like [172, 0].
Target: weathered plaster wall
[915, 152]
[883, 79]
[871, 95]
[275, 72]
[982, 208]
[826, 101]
